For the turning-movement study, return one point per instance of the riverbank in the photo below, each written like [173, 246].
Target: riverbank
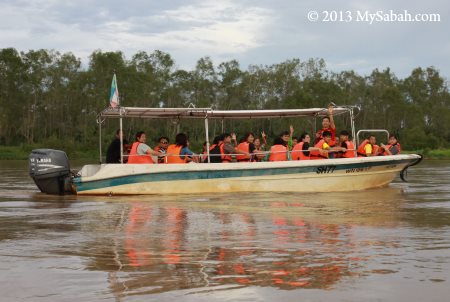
[22, 153]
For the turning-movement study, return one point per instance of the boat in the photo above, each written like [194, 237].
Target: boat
[51, 173]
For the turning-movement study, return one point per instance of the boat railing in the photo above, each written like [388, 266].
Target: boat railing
[240, 154]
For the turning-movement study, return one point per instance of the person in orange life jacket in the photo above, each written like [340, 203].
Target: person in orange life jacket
[140, 152]
[347, 144]
[214, 150]
[259, 153]
[318, 136]
[324, 149]
[228, 148]
[279, 150]
[179, 152]
[393, 148]
[246, 145]
[328, 125]
[301, 151]
[368, 147]
[163, 143]
[286, 136]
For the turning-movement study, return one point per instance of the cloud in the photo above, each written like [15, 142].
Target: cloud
[253, 32]
[218, 28]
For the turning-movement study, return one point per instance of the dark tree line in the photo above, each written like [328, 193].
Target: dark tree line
[49, 98]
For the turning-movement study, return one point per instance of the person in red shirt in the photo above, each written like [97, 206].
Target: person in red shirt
[328, 125]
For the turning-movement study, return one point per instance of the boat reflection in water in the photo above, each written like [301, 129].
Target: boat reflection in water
[159, 244]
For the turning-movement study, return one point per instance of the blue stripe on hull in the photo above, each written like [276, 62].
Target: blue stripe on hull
[214, 174]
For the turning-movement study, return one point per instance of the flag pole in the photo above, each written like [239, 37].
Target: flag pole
[114, 101]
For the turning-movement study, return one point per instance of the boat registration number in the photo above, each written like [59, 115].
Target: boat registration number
[325, 169]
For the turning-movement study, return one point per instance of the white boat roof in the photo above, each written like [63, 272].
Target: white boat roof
[140, 112]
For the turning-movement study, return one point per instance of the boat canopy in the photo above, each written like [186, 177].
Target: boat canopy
[209, 113]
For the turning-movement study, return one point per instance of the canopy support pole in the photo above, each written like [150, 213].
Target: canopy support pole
[207, 138]
[100, 139]
[352, 124]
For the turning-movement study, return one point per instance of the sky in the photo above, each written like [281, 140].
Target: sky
[262, 32]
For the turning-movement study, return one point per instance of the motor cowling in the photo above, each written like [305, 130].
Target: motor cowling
[50, 171]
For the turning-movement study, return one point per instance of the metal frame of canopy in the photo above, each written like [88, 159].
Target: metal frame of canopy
[209, 113]
[139, 112]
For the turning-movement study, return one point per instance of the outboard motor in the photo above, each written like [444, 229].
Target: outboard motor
[50, 171]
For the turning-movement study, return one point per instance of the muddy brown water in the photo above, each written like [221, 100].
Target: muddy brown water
[386, 244]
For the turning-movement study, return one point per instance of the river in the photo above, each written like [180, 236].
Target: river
[387, 244]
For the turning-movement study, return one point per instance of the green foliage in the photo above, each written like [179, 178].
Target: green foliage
[48, 100]
[416, 138]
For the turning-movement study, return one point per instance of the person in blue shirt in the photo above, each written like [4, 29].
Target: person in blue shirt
[180, 152]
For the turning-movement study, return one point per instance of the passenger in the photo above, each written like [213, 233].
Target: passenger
[323, 148]
[279, 150]
[214, 150]
[246, 147]
[140, 152]
[163, 143]
[287, 138]
[264, 138]
[290, 143]
[393, 148]
[368, 147]
[301, 151]
[257, 143]
[347, 144]
[318, 136]
[259, 150]
[227, 148]
[179, 153]
[204, 154]
[113, 152]
[328, 125]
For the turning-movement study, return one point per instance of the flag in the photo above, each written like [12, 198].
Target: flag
[114, 97]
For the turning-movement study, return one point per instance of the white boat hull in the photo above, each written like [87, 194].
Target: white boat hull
[330, 175]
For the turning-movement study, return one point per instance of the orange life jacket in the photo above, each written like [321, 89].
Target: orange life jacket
[390, 147]
[135, 158]
[375, 149]
[361, 151]
[351, 152]
[316, 154]
[171, 158]
[225, 157]
[278, 153]
[214, 154]
[297, 152]
[333, 135]
[245, 147]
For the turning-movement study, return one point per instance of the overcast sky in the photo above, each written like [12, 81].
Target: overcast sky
[252, 32]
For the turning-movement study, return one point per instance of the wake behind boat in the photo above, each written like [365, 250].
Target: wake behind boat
[50, 168]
